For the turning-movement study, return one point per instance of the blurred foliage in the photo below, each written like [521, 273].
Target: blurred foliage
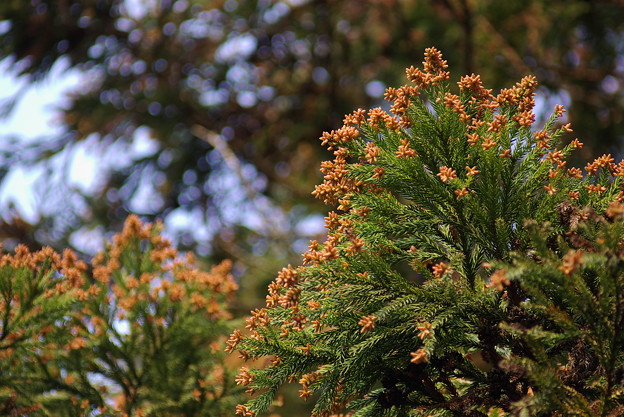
[265, 77]
[137, 332]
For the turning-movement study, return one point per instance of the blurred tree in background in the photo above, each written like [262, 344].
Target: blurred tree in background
[258, 80]
[137, 332]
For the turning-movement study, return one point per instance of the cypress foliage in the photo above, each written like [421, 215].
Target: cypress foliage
[138, 332]
[468, 270]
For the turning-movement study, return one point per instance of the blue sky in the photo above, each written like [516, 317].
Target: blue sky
[35, 114]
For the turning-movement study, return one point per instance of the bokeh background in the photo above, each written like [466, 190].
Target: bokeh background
[206, 114]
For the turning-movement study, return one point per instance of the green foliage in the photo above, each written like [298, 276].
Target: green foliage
[138, 332]
[573, 287]
[30, 316]
[422, 300]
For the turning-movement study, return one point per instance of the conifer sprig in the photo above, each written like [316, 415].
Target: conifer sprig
[405, 309]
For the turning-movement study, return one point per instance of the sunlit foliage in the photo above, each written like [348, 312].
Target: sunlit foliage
[468, 270]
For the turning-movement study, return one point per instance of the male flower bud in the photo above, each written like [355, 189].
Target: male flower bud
[367, 323]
